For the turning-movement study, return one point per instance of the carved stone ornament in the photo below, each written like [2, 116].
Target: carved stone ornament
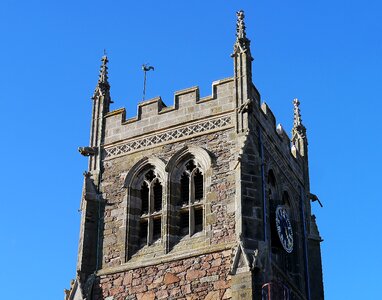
[87, 151]
[167, 136]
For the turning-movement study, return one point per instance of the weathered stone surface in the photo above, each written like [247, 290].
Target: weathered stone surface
[194, 274]
[227, 294]
[146, 296]
[214, 295]
[173, 280]
[170, 278]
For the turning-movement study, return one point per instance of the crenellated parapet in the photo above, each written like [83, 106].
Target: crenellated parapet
[154, 116]
[276, 137]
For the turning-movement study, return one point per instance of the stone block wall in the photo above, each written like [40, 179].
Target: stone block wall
[201, 277]
[288, 170]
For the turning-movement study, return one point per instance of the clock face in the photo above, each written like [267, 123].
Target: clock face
[284, 228]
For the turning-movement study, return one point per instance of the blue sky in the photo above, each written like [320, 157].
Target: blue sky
[326, 53]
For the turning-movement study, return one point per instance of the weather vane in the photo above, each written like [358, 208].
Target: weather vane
[145, 68]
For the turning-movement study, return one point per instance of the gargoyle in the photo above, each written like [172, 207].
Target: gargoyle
[246, 106]
[313, 197]
[87, 151]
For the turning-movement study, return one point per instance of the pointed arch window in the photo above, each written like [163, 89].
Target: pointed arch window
[191, 212]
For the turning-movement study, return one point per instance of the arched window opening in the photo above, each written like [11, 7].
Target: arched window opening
[189, 172]
[145, 203]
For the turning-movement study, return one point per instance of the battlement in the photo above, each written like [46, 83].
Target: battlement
[153, 114]
[278, 137]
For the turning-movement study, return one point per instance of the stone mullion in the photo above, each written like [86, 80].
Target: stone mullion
[150, 220]
[191, 198]
[150, 224]
[192, 220]
[166, 217]
[189, 205]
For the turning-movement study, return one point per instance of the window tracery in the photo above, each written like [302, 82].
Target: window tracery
[166, 202]
[145, 206]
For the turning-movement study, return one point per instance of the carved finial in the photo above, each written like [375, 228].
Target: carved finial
[242, 43]
[297, 121]
[103, 75]
[240, 25]
[103, 85]
[299, 129]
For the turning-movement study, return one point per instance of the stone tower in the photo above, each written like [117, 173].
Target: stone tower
[204, 199]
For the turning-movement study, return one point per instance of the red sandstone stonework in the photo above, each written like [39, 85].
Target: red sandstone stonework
[191, 278]
[170, 278]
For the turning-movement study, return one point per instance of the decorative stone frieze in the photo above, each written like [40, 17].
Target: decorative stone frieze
[169, 136]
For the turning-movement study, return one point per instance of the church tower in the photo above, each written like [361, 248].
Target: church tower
[204, 199]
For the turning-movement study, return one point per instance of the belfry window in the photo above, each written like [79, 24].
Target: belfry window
[151, 196]
[191, 200]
